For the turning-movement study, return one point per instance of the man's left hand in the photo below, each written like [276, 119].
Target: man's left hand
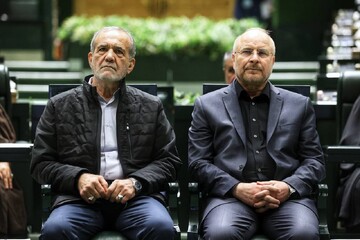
[121, 190]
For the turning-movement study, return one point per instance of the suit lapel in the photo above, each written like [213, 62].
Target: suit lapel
[233, 108]
[276, 103]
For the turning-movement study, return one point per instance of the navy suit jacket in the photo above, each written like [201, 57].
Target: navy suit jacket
[217, 143]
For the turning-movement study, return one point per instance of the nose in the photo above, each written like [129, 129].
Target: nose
[109, 55]
[254, 56]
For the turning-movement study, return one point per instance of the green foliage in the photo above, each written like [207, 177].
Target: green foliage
[182, 98]
[170, 36]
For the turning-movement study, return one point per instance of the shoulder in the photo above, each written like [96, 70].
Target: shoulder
[136, 94]
[289, 94]
[138, 99]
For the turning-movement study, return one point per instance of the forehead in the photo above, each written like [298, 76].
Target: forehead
[254, 39]
[113, 37]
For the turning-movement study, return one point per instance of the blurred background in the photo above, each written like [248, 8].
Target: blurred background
[28, 28]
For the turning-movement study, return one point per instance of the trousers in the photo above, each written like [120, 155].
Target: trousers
[143, 217]
[238, 221]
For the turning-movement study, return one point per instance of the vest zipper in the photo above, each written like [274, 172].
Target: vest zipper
[129, 140]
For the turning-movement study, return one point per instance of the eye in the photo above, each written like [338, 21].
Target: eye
[119, 51]
[102, 49]
[246, 52]
[263, 53]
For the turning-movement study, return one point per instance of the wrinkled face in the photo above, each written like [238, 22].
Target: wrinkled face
[253, 58]
[228, 69]
[110, 60]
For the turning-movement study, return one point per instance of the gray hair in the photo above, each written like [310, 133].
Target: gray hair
[132, 50]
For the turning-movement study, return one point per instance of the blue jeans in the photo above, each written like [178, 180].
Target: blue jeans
[142, 218]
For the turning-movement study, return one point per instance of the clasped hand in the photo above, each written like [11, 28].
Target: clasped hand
[92, 187]
[6, 175]
[263, 195]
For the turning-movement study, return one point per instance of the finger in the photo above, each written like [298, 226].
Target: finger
[272, 205]
[263, 183]
[270, 199]
[11, 182]
[6, 183]
[261, 210]
[262, 194]
[101, 188]
[104, 183]
[120, 198]
[260, 204]
[90, 199]
[114, 190]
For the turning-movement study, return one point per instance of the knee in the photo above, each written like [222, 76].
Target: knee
[161, 227]
[222, 232]
[309, 232]
[51, 229]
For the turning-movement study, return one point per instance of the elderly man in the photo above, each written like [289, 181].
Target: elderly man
[255, 152]
[107, 150]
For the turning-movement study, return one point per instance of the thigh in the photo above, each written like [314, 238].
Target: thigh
[231, 220]
[292, 220]
[145, 218]
[72, 221]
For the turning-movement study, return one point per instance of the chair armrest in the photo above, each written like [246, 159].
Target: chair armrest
[173, 205]
[322, 211]
[45, 201]
[194, 211]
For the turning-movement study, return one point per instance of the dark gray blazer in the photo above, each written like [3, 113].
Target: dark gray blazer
[217, 143]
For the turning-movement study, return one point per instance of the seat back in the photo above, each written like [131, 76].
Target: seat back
[301, 89]
[55, 89]
[348, 90]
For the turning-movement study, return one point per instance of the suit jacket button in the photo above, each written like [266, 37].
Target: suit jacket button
[241, 167]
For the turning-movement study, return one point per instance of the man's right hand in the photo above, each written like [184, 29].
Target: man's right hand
[92, 187]
[260, 196]
[6, 175]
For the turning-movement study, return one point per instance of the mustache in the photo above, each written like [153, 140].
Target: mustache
[109, 66]
[253, 68]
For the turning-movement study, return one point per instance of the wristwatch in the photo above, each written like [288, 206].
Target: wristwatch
[291, 190]
[137, 185]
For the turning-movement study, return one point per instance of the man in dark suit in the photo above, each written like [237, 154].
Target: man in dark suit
[349, 189]
[255, 152]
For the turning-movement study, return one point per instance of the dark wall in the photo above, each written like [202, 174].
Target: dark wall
[300, 28]
[28, 24]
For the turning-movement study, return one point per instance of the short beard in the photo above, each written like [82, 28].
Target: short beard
[109, 78]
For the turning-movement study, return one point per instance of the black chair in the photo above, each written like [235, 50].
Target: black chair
[348, 89]
[196, 195]
[172, 191]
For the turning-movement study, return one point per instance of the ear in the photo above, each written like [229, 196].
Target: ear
[273, 60]
[131, 65]
[90, 56]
